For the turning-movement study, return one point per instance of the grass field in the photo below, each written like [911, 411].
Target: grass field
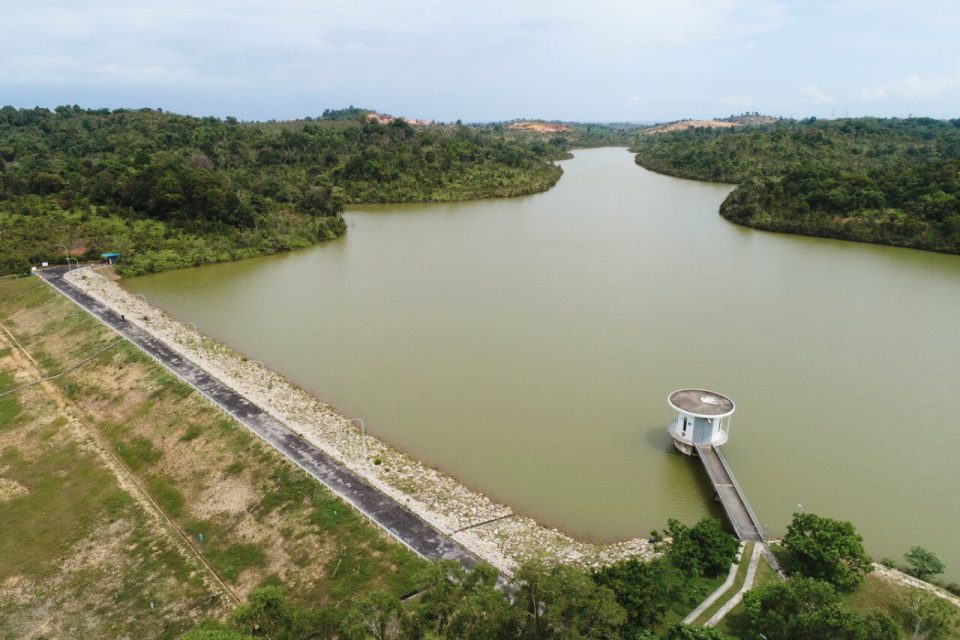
[79, 552]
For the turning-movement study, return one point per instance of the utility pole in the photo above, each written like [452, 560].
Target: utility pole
[363, 437]
[66, 252]
[196, 334]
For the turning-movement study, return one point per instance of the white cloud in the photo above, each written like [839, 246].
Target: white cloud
[914, 86]
[248, 38]
[929, 87]
[815, 95]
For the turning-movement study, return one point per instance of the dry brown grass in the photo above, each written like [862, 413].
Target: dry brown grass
[249, 513]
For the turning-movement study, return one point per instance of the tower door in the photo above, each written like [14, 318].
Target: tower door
[701, 431]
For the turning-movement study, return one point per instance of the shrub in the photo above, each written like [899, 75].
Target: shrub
[192, 432]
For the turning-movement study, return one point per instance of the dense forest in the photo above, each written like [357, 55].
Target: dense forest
[170, 191]
[887, 181]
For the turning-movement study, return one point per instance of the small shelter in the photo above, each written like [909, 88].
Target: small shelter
[703, 417]
[110, 257]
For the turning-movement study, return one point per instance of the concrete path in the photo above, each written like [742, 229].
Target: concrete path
[421, 537]
[722, 589]
[730, 604]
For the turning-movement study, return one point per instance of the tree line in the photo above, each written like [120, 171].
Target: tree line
[629, 600]
[170, 190]
[888, 181]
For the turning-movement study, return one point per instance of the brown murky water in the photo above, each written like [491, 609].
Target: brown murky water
[527, 346]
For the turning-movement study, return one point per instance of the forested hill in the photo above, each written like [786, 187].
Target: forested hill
[887, 181]
[169, 191]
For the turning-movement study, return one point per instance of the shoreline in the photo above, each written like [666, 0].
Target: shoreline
[491, 530]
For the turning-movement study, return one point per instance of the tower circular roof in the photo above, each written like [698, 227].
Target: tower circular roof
[701, 403]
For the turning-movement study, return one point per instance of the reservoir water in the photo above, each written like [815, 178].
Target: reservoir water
[527, 347]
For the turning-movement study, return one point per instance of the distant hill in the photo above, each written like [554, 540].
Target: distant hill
[386, 118]
[540, 126]
[744, 119]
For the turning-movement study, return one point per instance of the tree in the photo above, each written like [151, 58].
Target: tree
[456, 604]
[718, 549]
[483, 612]
[706, 549]
[927, 616]
[826, 549]
[686, 632]
[923, 564]
[376, 616]
[564, 602]
[879, 626]
[641, 588]
[268, 613]
[773, 609]
[807, 609]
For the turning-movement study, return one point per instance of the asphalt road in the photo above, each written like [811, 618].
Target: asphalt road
[421, 537]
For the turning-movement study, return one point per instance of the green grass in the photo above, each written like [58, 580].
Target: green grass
[233, 560]
[10, 404]
[170, 499]
[137, 452]
[877, 593]
[765, 575]
[66, 497]
[235, 467]
[193, 431]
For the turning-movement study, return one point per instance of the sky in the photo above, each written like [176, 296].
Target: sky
[586, 60]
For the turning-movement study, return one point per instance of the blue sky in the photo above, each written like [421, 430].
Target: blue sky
[598, 60]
